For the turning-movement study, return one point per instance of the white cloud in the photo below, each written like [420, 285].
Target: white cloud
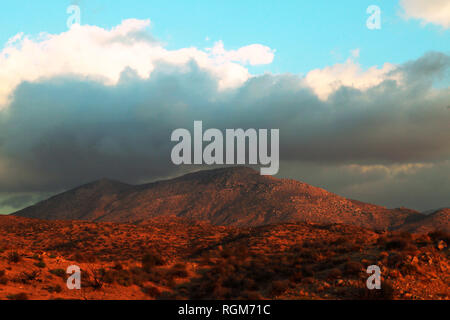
[329, 79]
[390, 170]
[428, 11]
[94, 52]
[97, 53]
[254, 54]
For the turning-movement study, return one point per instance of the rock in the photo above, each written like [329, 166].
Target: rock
[441, 245]
[414, 260]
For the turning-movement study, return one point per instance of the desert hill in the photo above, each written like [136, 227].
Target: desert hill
[437, 220]
[237, 196]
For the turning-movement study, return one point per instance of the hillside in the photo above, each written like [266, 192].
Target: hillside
[237, 196]
[437, 220]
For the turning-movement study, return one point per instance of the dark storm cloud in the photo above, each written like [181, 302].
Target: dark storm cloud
[16, 202]
[61, 132]
[418, 186]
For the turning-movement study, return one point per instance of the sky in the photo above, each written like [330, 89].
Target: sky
[362, 112]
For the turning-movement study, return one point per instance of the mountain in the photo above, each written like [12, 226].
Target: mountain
[436, 220]
[237, 196]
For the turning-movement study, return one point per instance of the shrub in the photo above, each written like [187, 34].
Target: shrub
[353, 268]
[385, 293]
[297, 277]
[58, 272]
[308, 271]
[251, 295]
[334, 273]
[14, 257]
[178, 271]
[18, 296]
[57, 288]
[408, 268]
[440, 235]
[40, 264]
[150, 260]
[279, 286]
[397, 244]
[26, 277]
[3, 279]
[118, 266]
[151, 291]
[396, 260]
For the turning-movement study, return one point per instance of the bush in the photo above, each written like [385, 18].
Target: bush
[57, 288]
[26, 277]
[408, 268]
[297, 277]
[397, 244]
[118, 266]
[3, 279]
[58, 272]
[385, 293]
[440, 235]
[251, 295]
[151, 260]
[334, 273]
[308, 271]
[18, 296]
[178, 271]
[40, 264]
[396, 260]
[279, 286]
[353, 268]
[151, 291]
[13, 257]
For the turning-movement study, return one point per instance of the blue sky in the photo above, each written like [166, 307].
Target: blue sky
[305, 34]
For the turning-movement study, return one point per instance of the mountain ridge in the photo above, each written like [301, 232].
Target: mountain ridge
[236, 196]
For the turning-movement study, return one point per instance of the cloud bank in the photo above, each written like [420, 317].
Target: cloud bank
[93, 52]
[429, 11]
[93, 103]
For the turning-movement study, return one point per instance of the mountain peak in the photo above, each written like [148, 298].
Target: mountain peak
[228, 176]
[105, 184]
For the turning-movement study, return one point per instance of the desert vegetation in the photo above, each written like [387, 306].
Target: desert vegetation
[174, 258]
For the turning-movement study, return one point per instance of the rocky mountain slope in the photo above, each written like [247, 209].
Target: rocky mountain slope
[237, 196]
